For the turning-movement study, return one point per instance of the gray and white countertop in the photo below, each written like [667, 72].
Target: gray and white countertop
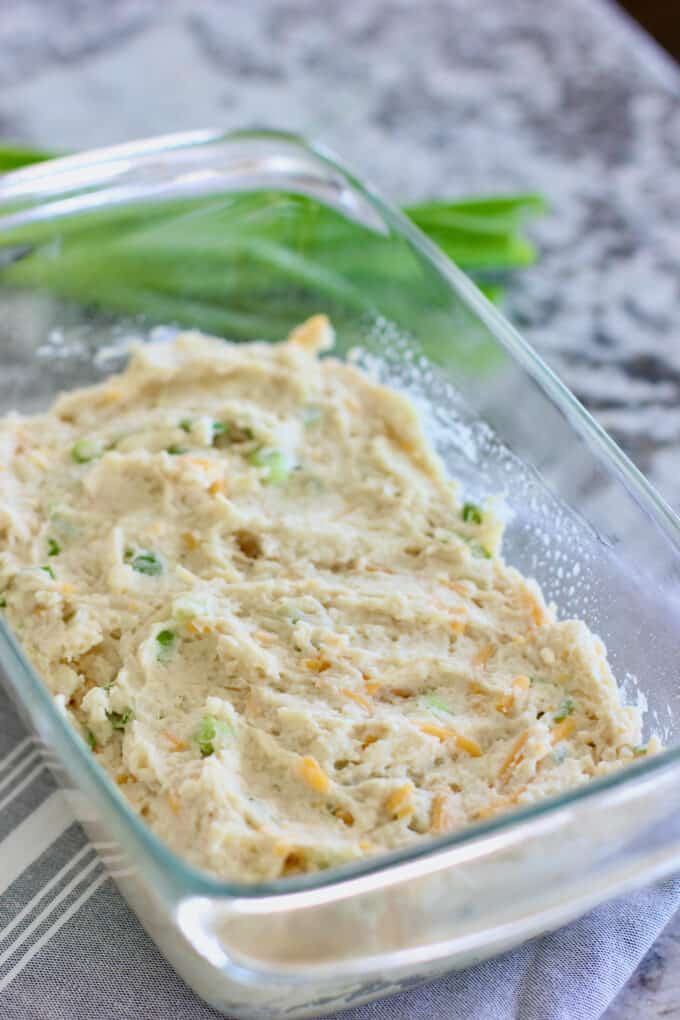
[429, 97]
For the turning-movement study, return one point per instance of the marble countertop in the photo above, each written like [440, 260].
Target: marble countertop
[436, 97]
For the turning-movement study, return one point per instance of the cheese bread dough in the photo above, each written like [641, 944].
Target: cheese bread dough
[247, 580]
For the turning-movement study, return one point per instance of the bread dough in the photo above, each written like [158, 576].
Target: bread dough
[251, 586]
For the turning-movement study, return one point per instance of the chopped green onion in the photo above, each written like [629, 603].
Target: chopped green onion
[210, 732]
[119, 720]
[176, 450]
[311, 414]
[480, 551]
[185, 425]
[277, 462]
[432, 701]
[472, 513]
[48, 570]
[166, 640]
[640, 750]
[219, 428]
[53, 547]
[91, 739]
[85, 450]
[3, 601]
[144, 563]
[564, 709]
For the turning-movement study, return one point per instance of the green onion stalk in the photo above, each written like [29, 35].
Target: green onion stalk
[250, 266]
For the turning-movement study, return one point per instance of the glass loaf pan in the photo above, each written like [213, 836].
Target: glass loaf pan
[582, 520]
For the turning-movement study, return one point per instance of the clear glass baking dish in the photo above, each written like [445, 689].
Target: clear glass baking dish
[582, 521]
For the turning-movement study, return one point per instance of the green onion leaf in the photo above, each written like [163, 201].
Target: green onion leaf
[53, 547]
[176, 450]
[119, 720]
[564, 709]
[480, 551]
[145, 563]
[14, 156]
[91, 739]
[277, 462]
[640, 750]
[210, 734]
[48, 570]
[212, 276]
[185, 425]
[85, 450]
[472, 513]
[3, 601]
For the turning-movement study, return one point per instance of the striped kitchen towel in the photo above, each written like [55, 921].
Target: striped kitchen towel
[70, 949]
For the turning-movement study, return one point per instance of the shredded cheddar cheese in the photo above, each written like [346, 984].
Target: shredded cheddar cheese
[468, 745]
[507, 702]
[198, 627]
[563, 730]
[357, 698]
[399, 802]
[441, 817]
[537, 614]
[483, 655]
[315, 334]
[514, 757]
[175, 743]
[313, 774]
[433, 730]
[319, 665]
